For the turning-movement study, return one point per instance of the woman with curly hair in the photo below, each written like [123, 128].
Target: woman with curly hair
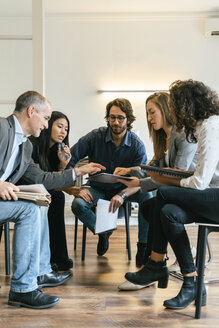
[194, 107]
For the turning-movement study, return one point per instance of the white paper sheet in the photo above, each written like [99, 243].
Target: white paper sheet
[34, 188]
[105, 220]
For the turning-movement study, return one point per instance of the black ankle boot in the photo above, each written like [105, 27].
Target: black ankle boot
[186, 295]
[141, 255]
[151, 272]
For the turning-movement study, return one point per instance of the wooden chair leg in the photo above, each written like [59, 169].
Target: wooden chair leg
[84, 242]
[200, 262]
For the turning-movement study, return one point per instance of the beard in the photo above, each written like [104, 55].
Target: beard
[118, 130]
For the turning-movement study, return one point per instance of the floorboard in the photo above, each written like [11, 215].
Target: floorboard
[91, 298]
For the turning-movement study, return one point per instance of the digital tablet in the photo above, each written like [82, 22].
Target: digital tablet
[107, 178]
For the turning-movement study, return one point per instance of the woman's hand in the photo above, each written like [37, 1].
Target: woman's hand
[122, 171]
[135, 182]
[64, 162]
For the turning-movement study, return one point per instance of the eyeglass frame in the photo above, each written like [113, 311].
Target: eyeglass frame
[119, 118]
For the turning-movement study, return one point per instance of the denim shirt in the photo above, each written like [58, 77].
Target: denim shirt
[99, 146]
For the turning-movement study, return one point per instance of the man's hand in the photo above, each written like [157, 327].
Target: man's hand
[80, 192]
[7, 191]
[90, 168]
[122, 171]
[135, 182]
[115, 203]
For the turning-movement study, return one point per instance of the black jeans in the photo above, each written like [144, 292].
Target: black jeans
[172, 208]
[58, 244]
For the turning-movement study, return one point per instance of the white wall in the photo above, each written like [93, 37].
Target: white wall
[87, 54]
[84, 56]
[15, 61]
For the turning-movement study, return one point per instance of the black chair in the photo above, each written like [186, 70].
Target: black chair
[7, 246]
[203, 231]
[127, 211]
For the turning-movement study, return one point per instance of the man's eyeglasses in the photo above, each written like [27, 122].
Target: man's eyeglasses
[119, 118]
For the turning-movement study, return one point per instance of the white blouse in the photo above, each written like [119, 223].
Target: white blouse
[206, 174]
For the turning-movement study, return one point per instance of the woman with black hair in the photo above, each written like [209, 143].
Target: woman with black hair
[51, 152]
[194, 107]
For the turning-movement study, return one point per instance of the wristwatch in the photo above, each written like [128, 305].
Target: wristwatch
[123, 195]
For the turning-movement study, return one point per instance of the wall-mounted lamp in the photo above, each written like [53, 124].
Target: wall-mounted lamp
[130, 91]
[135, 94]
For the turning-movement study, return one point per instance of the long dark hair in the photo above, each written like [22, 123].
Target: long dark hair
[161, 100]
[191, 102]
[42, 143]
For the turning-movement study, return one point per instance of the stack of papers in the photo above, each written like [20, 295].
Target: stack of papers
[36, 193]
[105, 220]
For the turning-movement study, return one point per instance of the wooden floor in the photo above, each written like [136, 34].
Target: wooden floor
[91, 298]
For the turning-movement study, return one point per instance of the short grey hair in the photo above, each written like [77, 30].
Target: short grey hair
[30, 98]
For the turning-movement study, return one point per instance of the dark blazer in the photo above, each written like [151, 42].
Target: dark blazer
[28, 170]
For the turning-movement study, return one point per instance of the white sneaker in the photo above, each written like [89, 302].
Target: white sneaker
[127, 285]
[175, 266]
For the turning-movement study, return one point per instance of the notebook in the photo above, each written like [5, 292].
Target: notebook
[169, 172]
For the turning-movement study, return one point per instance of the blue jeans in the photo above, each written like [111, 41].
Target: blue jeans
[31, 253]
[83, 210]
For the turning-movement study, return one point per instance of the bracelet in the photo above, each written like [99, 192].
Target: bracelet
[61, 167]
[123, 195]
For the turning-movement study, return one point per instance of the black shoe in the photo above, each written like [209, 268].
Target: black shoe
[62, 266]
[151, 272]
[34, 300]
[54, 267]
[142, 255]
[53, 279]
[186, 295]
[103, 243]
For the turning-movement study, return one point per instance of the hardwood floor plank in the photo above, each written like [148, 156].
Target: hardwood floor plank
[91, 299]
